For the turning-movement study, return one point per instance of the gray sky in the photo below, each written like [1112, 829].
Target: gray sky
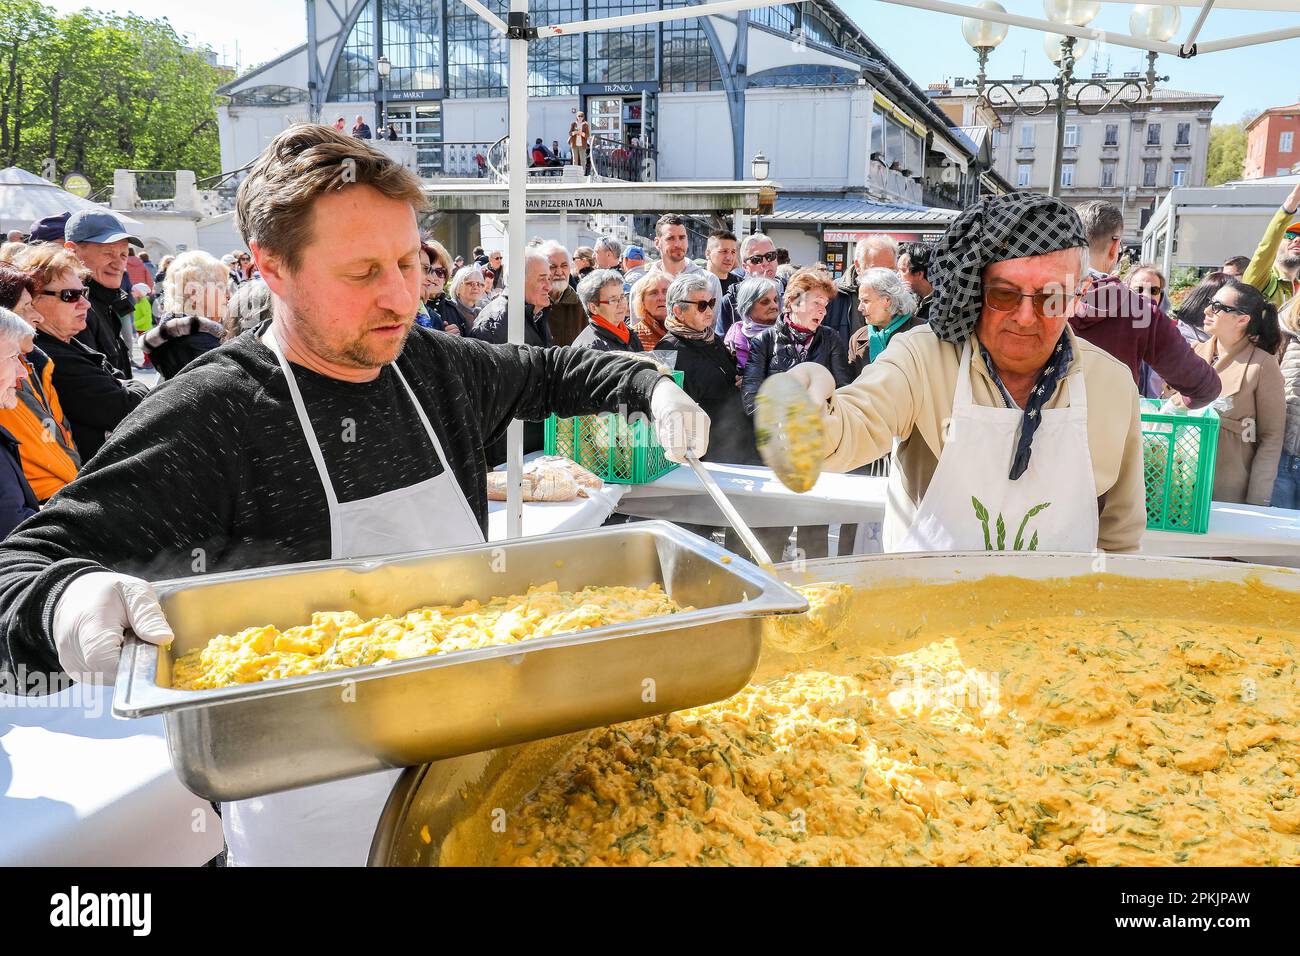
[928, 45]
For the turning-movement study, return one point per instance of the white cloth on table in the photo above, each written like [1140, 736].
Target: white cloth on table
[79, 787]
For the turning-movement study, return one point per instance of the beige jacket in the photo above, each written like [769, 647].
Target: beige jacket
[1252, 424]
[907, 394]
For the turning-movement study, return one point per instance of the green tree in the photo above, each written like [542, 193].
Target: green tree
[1227, 154]
[91, 92]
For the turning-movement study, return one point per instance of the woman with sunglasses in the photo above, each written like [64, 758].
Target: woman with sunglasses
[601, 294]
[36, 421]
[1244, 336]
[436, 309]
[94, 396]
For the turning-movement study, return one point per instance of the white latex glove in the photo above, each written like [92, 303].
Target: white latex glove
[680, 425]
[91, 616]
[816, 379]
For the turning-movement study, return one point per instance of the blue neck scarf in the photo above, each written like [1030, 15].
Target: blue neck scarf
[1058, 364]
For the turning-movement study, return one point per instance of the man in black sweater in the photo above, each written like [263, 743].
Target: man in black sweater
[102, 244]
[226, 448]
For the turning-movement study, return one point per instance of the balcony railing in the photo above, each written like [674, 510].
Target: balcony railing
[613, 160]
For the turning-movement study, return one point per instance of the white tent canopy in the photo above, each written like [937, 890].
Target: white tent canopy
[520, 33]
[26, 197]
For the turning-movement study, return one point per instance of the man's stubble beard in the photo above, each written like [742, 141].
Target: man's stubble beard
[353, 354]
[1289, 262]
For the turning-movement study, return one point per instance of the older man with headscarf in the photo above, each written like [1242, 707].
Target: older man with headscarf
[1013, 433]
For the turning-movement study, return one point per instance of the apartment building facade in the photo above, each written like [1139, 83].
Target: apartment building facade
[1129, 156]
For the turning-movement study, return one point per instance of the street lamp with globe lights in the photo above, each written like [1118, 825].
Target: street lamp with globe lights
[384, 67]
[759, 167]
[1149, 21]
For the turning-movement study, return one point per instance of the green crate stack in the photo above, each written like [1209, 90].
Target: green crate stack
[1178, 452]
[608, 445]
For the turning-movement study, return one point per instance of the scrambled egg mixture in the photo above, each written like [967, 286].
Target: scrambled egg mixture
[339, 639]
[1085, 739]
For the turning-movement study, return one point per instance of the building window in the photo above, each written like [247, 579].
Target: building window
[816, 27]
[1184, 135]
[1108, 174]
[1153, 134]
[476, 54]
[355, 77]
[878, 135]
[555, 64]
[1112, 134]
[1285, 141]
[689, 63]
[1150, 170]
[1023, 171]
[412, 36]
[626, 55]
[1027, 135]
[1071, 136]
[780, 18]
[1179, 175]
[1067, 174]
[1283, 171]
[796, 74]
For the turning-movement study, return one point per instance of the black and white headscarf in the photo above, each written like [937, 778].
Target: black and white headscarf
[995, 229]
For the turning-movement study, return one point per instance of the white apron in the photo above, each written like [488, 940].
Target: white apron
[974, 465]
[332, 824]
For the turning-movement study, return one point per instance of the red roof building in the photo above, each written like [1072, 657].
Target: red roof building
[1273, 142]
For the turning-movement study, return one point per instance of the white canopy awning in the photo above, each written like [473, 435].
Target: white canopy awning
[26, 197]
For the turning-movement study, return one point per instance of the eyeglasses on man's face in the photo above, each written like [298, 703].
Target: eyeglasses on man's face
[1047, 303]
[760, 257]
[1154, 291]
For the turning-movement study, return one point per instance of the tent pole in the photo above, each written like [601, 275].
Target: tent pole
[517, 224]
[1252, 39]
[1189, 45]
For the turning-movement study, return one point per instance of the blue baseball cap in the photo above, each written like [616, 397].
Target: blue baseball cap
[95, 226]
[49, 229]
[635, 253]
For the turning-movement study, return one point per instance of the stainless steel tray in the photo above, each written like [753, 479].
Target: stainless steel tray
[460, 801]
[236, 742]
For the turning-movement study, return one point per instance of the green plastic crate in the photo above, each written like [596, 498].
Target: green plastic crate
[608, 445]
[1178, 452]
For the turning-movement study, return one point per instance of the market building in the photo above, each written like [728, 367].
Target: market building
[685, 101]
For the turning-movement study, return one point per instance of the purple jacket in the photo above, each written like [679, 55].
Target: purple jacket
[737, 342]
[1135, 330]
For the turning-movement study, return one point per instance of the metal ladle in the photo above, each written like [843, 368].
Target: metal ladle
[724, 504]
[789, 431]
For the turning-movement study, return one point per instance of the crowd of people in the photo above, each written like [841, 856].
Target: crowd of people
[305, 417]
[86, 309]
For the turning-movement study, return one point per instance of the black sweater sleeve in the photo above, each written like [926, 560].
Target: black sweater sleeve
[530, 383]
[162, 487]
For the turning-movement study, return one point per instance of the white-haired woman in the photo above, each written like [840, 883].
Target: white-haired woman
[601, 295]
[194, 302]
[888, 307]
[17, 500]
[468, 294]
[758, 305]
[710, 372]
